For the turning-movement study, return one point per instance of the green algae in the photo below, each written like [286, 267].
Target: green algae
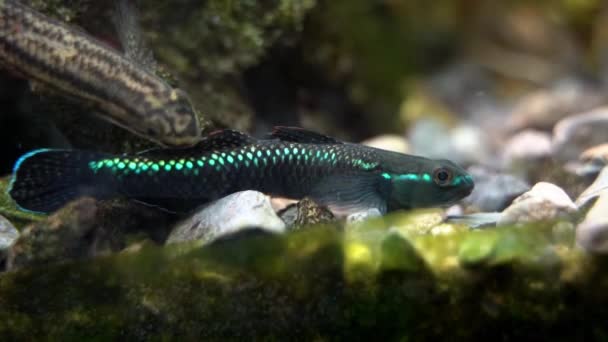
[9, 209]
[311, 283]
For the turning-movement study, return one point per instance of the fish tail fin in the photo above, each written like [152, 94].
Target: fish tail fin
[45, 179]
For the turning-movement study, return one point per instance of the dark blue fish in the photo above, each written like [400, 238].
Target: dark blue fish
[291, 163]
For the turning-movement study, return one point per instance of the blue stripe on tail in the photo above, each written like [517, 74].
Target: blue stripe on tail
[46, 179]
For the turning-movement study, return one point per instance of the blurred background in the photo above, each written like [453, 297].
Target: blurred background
[450, 78]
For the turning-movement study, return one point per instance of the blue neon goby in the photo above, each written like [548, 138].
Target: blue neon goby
[290, 162]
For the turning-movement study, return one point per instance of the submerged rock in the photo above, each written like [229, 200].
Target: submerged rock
[591, 161]
[545, 201]
[235, 212]
[592, 233]
[494, 191]
[598, 186]
[543, 108]
[526, 146]
[575, 134]
[305, 212]
[476, 220]
[462, 144]
[8, 235]
[61, 236]
[363, 215]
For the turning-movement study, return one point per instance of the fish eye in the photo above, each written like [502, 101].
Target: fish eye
[442, 176]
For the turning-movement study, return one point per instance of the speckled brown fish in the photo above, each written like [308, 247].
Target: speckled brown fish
[126, 92]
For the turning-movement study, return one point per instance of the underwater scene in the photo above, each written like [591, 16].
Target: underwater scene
[303, 170]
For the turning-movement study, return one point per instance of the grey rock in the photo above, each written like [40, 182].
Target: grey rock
[462, 144]
[545, 201]
[363, 215]
[543, 108]
[590, 162]
[8, 235]
[476, 220]
[527, 146]
[575, 134]
[593, 191]
[592, 233]
[494, 191]
[233, 213]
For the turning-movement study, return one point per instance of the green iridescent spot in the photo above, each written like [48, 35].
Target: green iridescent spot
[168, 167]
[230, 159]
[255, 161]
[221, 160]
[211, 162]
[259, 154]
[286, 150]
[426, 177]
[295, 150]
[278, 152]
[268, 153]
[247, 163]
[132, 165]
[318, 154]
[214, 156]
[155, 167]
[274, 160]
[189, 164]
[409, 177]
[249, 155]
[109, 163]
[172, 162]
[196, 172]
[386, 175]
[121, 165]
[325, 155]
[179, 166]
[200, 163]
[161, 163]
[240, 157]
[143, 167]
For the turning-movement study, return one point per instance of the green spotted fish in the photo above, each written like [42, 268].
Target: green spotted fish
[290, 162]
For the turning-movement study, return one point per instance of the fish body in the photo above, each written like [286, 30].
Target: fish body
[291, 163]
[126, 92]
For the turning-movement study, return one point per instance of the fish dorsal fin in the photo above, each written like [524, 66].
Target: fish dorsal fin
[226, 138]
[216, 140]
[301, 135]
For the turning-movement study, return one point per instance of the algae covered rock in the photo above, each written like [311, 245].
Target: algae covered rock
[317, 283]
[59, 237]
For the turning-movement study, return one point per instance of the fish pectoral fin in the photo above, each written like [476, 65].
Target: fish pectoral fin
[301, 135]
[345, 194]
[126, 21]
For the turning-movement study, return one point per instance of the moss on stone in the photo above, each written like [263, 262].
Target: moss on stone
[309, 284]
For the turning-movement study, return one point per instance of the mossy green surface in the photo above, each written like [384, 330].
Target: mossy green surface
[9, 210]
[319, 283]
